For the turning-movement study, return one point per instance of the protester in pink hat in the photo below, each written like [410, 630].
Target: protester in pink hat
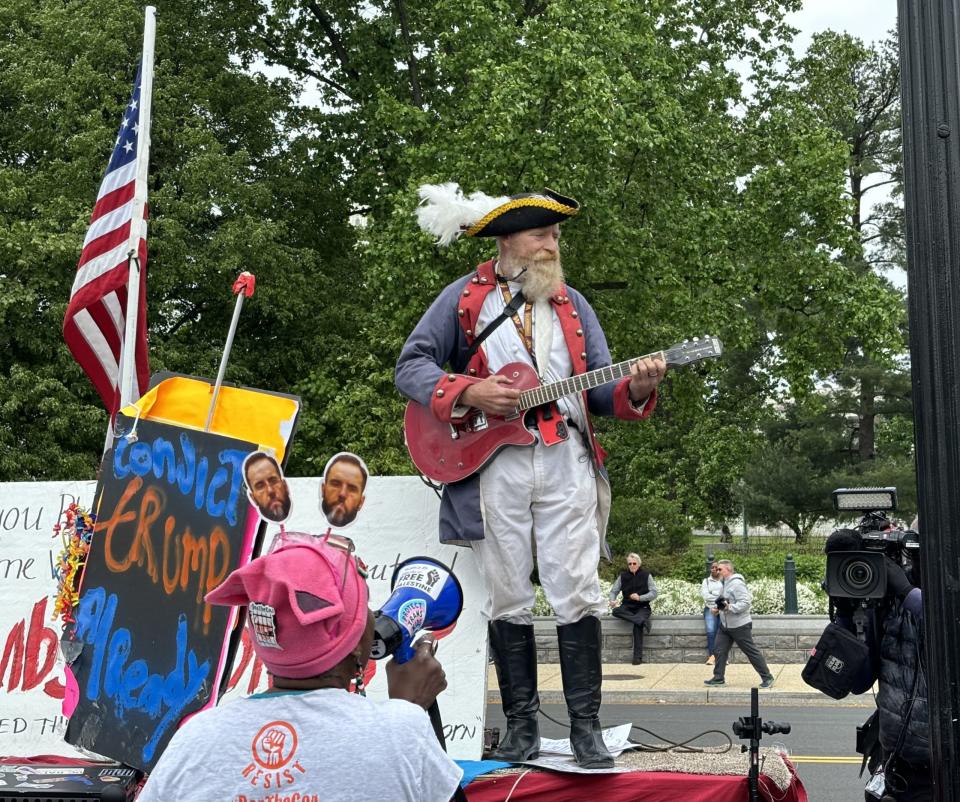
[309, 737]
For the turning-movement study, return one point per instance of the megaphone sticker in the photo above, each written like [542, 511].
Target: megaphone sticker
[411, 615]
[426, 578]
[426, 596]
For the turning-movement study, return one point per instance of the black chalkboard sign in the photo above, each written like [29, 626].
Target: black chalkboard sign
[172, 522]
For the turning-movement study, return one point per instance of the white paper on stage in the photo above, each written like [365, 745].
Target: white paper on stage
[398, 521]
[556, 754]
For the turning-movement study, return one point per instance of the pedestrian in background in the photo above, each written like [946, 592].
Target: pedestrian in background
[736, 626]
[639, 589]
[710, 588]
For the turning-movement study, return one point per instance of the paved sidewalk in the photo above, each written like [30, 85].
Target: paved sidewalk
[682, 683]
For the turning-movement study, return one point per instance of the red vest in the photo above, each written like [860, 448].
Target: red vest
[468, 312]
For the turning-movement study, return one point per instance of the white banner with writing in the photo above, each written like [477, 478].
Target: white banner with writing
[398, 521]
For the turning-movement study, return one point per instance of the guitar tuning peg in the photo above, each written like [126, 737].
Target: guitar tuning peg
[696, 339]
[685, 342]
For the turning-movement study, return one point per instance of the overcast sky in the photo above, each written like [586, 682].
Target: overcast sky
[869, 20]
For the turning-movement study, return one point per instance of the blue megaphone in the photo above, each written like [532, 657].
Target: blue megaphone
[425, 595]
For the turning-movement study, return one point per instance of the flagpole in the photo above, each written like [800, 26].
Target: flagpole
[129, 388]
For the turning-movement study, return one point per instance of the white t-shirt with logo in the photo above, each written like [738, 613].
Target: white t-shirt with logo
[325, 744]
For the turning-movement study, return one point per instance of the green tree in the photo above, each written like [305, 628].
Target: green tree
[226, 193]
[864, 407]
[712, 209]
[807, 451]
[790, 474]
[856, 90]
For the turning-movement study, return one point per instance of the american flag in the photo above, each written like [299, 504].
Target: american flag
[94, 324]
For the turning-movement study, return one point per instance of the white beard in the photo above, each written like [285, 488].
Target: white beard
[541, 279]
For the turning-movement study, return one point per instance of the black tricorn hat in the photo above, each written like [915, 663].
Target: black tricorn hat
[528, 210]
[448, 214]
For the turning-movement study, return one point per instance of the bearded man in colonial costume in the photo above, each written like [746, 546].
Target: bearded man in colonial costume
[551, 499]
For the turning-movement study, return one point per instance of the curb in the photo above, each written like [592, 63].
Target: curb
[727, 696]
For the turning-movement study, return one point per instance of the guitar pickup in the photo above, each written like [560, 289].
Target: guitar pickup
[476, 421]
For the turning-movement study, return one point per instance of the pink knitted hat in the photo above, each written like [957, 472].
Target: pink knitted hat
[300, 621]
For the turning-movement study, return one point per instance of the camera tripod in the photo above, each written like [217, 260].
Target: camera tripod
[752, 728]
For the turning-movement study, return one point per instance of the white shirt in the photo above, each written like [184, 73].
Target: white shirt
[505, 345]
[710, 588]
[325, 744]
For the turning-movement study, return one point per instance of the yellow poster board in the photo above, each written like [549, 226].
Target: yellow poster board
[242, 413]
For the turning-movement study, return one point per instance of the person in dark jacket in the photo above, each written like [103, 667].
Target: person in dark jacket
[902, 702]
[900, 731]
[639, 589]
[895, 740]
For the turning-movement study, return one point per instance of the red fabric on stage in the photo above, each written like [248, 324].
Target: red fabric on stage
[51, 760]
[634, 786]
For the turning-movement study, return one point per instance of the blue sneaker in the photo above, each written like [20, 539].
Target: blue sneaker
[716, 681]
[767, 683]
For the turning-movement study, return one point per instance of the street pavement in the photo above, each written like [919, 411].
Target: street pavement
[682, 683]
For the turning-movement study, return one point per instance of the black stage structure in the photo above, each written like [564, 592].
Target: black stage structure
[930, 80]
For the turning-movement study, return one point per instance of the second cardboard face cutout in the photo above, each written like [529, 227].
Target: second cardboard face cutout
[343, 489]
[267, 487]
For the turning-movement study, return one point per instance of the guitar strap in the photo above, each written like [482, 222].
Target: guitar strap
[508, 312]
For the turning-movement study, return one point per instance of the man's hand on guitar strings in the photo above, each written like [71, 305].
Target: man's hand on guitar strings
[645, 375]
[493, 395]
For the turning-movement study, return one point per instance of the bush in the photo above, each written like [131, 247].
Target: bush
[768, 598]
[691, 565]
[664, 534]
[679, 597]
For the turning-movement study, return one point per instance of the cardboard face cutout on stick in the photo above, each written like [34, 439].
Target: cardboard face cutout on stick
[267, 487]
[343, 490]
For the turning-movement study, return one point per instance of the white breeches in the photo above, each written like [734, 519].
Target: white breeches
[546, 496]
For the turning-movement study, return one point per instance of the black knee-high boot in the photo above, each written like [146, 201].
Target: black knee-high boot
[582, 676]
[515, 656]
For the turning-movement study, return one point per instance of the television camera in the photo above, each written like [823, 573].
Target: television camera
[869, 567]
[856, 567]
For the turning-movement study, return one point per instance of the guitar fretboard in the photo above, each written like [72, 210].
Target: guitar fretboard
[546, 393]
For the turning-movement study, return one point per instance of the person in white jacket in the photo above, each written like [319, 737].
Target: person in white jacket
[710, 588]
[736, 626]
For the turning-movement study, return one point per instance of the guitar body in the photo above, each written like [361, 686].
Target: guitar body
[447, 452]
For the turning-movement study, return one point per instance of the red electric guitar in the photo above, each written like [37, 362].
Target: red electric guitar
[448, 452]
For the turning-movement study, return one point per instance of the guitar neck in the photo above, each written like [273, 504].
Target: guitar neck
[575, 384]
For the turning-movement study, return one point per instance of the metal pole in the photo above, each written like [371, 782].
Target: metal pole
[790, 605]
[243, 287]
[930, 84]
[129, 388]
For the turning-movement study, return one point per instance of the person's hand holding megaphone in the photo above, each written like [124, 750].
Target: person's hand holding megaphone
[419, 680]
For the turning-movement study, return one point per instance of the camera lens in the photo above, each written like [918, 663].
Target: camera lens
[858, 575]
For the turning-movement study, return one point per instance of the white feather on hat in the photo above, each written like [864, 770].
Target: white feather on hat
[446, 212]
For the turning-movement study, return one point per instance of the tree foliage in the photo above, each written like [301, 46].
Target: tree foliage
[859, 429]
[224, 196]
[714, 201]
